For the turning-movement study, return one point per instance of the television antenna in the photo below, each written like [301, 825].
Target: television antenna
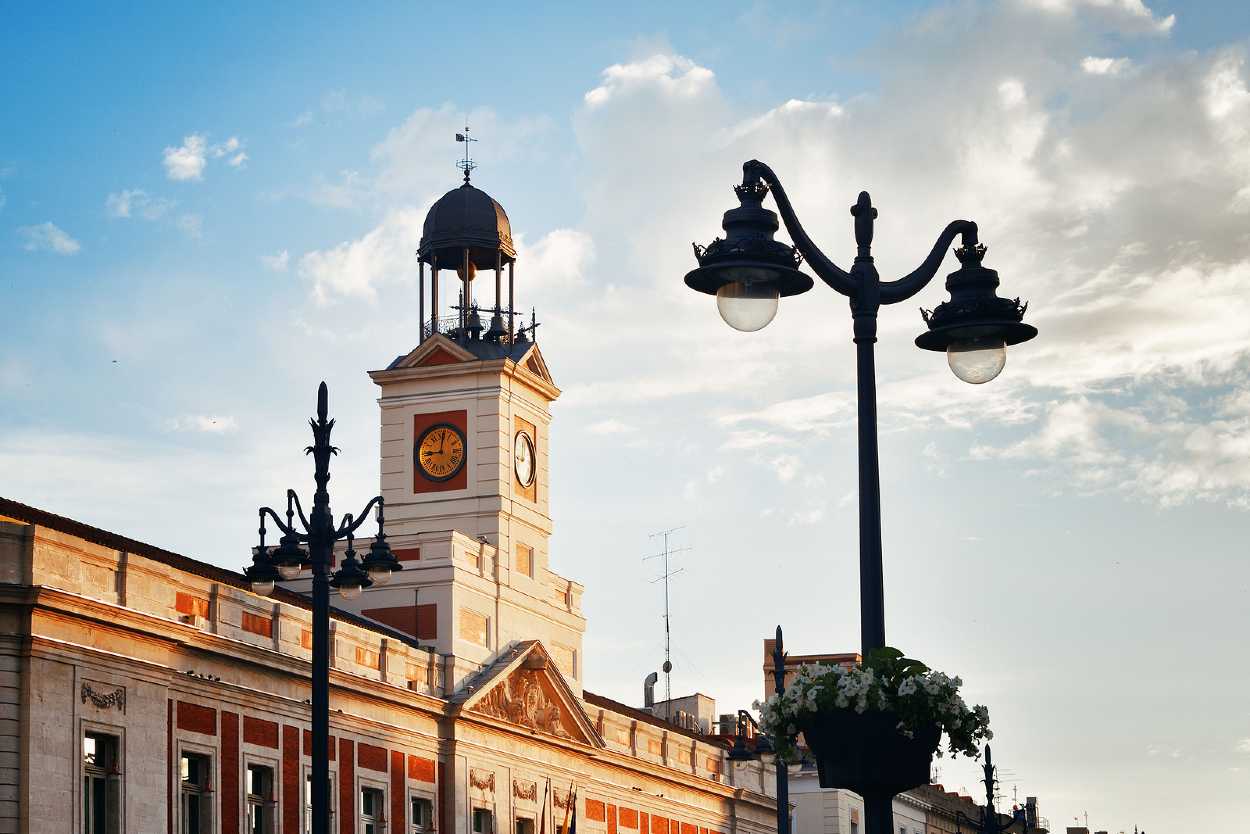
[668, 644]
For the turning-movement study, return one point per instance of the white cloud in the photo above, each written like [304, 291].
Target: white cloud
[675, 75]
[558, 260]
[356, 268]
[278, 262]
[785, 467]
[136, 203]
[205, 423]
[1243, 746]
[1105, 66]
[48, 237]
[192, 225]
[611, 426]
[1131, 16]
[187, 161]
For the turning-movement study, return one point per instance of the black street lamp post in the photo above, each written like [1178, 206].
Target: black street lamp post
[764, 745]
[314, 548]
[749, 272]
[990, 822]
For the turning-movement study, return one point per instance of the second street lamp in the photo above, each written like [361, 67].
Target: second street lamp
[287, 560]
[748, 272]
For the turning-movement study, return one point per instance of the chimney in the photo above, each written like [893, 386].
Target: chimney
[648, 690]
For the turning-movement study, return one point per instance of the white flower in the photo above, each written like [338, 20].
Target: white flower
[907, 687]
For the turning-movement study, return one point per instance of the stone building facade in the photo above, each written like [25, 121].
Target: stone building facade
[145, 692]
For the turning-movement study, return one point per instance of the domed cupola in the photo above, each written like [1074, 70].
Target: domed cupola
[467, 230]
[466, 218]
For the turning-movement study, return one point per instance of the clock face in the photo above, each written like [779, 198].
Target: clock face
[523, 458]
[439, 452]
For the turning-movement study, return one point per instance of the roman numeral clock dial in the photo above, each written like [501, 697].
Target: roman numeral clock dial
[440, 452]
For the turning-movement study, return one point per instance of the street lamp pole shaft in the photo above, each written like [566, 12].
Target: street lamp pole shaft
[321, 537]
[783, 767]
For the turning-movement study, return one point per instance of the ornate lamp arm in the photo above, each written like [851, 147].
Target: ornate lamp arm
[904, 288]
[827, 270]
[287, 530]
[350, 525]
[293, 496]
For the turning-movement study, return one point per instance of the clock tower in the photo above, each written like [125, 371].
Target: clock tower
[465, 437]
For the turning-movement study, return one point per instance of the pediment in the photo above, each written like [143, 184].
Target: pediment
[533, 362]
[530, 692]
[436, 350]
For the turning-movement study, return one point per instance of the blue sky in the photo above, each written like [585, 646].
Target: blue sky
[203, 213]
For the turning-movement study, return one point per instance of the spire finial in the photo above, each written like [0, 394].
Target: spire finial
[466, 164]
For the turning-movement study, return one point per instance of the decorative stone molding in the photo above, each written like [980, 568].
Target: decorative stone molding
[522, 700]
[102, 699]
[483, 780]
[523, 789]
[561, 798]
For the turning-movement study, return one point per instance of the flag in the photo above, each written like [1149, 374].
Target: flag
[542, 826]
[573, 803]
[568, 809]
[459, 137]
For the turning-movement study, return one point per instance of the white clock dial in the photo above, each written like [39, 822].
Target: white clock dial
[523, 458]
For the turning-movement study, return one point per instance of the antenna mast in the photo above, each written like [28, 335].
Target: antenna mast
[668, 646]
[466, 164]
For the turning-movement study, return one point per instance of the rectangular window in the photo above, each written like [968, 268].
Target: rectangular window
[483, 821]
[372, 816]
[195, 807]
[474, 627]
[420, 815]
[525, 559]
[308, 803]
[260, 802]
[101, 784]
[524, 826]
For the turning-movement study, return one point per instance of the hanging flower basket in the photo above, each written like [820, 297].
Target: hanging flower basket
[874, 727]
[867, 752]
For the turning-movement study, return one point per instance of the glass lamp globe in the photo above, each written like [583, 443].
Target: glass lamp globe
[977, 361]
[289, 572]
[747, 307]
[350, 591]
[380, 576]
[263, 588]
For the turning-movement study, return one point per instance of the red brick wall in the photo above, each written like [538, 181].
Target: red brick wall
[687, 828]
[407, 554]
[643, 822]
[197, 719]
[292, 793]
[308, 745]
[659, 825]
[628, 818]
[421, 621]
[257, 624]
[257, 731]
[595, 810]
[611, 819]
[420, 769]
[229, 772]
[374, 758]
[190, 604]
[398, 816]
[347, 787]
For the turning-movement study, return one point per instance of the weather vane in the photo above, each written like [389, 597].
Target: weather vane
[465, 164]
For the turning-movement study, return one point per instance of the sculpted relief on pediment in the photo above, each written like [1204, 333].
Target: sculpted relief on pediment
[524, 699]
